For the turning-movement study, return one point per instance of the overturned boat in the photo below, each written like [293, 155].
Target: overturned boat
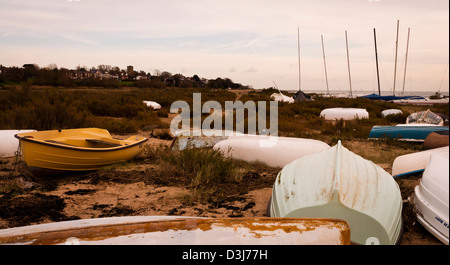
[337, 183]
[282, 98]
[415, 162]
[388, 112]
[332, 114]
[75, 149]
[425, 117]
[9, 145]
[271, 150]
[420, 101]
[405, 132]
[437, 139]
[200, 138]
[431, 197]
[171, 230]
[152, 104]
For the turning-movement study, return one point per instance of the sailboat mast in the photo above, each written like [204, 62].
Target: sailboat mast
[348, 64]
[376, 59]
[395, 65]
[406, 61]
[325, 64]
[299, 72]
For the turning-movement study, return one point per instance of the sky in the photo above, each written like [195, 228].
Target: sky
[252, 42]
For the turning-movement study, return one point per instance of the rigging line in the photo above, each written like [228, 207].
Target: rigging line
[395, 63]
[299, 72]
[442, 80]
[406, 62]
[324, 64]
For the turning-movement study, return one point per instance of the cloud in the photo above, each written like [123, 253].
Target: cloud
[251, 70]
[207, 37]
[79, 39]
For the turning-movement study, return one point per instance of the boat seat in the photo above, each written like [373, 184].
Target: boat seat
[97, 141]
[57, 142]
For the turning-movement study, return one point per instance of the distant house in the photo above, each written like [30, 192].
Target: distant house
[141, 77]
[105, 75]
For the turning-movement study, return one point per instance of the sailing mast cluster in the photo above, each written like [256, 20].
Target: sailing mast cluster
[348, 62]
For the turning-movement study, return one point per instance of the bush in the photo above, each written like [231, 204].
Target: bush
[203, 167]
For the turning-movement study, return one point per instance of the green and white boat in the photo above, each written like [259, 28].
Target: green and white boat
[337, 183]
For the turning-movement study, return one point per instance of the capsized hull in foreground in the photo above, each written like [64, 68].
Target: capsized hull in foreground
[171, 230]
[337, 183]
[431, 197]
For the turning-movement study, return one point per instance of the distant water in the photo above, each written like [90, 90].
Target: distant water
[383, 93]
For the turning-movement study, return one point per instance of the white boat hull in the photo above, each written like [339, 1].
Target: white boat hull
[152, 104]
[421, 101]
[344, 113]
[8, 143]
[414, 162]
[431, 197]
[337, 183]
[425, 117]
[271, 150]
[200, 138]
[282, 98]
[388, 112]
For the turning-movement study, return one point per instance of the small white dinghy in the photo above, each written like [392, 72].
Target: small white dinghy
[431, 197]
[152, 104]
[425, 117]
[200, 138]
[178, 230]
[388, 112]
[271, 150]
[414, 162]
[282, 98]
[8, 143]
[332, 114]
[337, 183]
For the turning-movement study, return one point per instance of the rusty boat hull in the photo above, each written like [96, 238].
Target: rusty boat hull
[178, 230]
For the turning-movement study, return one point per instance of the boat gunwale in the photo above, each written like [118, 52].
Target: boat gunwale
[79, 148]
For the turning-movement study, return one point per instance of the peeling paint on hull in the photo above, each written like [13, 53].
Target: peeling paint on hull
[163, 230]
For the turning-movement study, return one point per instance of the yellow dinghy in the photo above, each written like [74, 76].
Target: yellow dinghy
[76, 149]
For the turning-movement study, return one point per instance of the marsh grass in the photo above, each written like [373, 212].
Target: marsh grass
[201, 169]
[382, 151]
[209, 175]
[117, 110]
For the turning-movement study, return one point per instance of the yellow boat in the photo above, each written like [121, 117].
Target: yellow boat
[76, 149]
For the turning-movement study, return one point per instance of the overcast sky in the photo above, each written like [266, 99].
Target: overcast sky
[252, 42]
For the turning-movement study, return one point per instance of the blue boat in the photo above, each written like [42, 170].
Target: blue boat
[402, 132]
[389, 98]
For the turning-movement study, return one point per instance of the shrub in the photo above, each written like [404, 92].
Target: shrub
[203, 167]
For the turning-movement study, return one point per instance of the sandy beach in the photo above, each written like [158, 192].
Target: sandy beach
[135, 188]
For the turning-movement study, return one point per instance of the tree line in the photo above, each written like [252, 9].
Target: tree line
[105, 76]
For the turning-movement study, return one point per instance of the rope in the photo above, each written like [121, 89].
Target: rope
[17, 155]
